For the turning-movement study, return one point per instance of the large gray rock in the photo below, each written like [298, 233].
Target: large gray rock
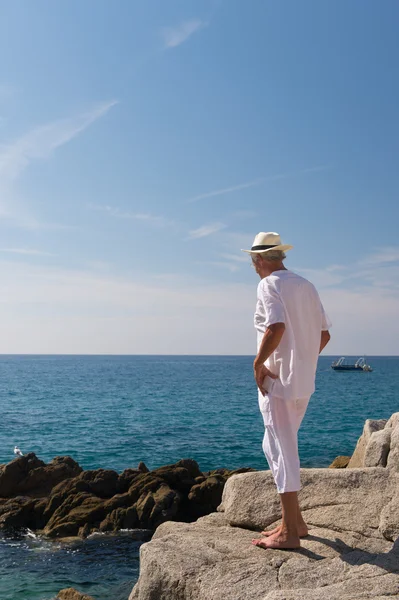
[393, 456]
[370, 426]
[377, 449]
[345, 557]
[393, 420]
[337, 499]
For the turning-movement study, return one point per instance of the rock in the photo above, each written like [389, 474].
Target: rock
[209, 559]
[393, 456]
[370, 426]
[17, 513]
[393, 420]
[191, 466]
[345, 557]
[389, 519]
[73, 514]
[102, 482]
[29, 474]
[377, 449]
[338, 499]
[63, 501]
[72, 594]
[340, 462]
[126, 479]
[13, 474]
[143, 468]
[205, 497]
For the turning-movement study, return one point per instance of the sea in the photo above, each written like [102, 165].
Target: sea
[115, 411]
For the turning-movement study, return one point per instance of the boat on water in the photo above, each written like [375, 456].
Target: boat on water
[359, 365]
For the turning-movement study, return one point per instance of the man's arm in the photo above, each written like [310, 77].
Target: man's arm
[325, 338]
[271, 339]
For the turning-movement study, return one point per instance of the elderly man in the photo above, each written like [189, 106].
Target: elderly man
[292, 330]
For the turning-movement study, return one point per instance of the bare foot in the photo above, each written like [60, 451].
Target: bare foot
[282, 541]
[302, 531]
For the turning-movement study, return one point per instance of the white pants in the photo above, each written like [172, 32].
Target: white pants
[282, 419]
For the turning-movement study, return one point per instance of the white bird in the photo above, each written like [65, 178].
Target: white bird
[17, 451]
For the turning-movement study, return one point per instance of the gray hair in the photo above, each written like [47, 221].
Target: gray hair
[273, 255]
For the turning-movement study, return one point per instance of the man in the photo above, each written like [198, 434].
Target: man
[292, 330]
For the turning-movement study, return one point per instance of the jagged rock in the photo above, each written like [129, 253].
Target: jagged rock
[126, 479]
[72, 594]
[142, 467]
[393, 420]
[29, 474]
[205, 497]
[345, 556]
[73, 514]
[393, 456]
[103, 482]
[63, 501]
[340, 462]
[370, 426]
[377, 449]
[15, 472]
[191, 466]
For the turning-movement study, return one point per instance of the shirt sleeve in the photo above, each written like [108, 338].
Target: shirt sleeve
[325, 321]
[272, 304]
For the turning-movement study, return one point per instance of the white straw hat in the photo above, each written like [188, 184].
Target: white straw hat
[265, 242]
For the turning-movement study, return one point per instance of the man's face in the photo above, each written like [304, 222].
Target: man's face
[257, 263]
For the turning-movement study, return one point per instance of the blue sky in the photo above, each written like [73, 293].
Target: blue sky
[143, 144]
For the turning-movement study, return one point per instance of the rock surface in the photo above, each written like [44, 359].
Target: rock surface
[349, 554]
[378, 446]
[340, 462]
[370, 426]
[62, 500]
[72, 594]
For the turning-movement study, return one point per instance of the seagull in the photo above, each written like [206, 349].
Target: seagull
[17, 451]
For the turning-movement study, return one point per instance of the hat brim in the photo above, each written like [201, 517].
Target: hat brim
[282, 248]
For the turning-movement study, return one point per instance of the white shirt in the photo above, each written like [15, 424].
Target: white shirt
[285, 297]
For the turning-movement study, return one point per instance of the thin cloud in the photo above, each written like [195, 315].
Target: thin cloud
[205, 230]
[175, 36]
[256, 182]
[240, 258]
[42, 141]
[114, 211]
[26, 251]
[385, 255]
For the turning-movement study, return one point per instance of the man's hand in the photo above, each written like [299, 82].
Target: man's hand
[260, 372]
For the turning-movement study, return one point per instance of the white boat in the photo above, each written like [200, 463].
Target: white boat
[359, 365]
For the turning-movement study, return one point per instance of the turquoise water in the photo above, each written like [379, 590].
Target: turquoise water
[113, 412]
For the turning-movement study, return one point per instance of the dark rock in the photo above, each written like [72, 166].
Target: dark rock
[153, 508]
[84, 531]
[62, 500]
[29, 474]
[103, 482]
[72, 594]
[146, 482]
[143, 468]
[126, 479]
[74, 513]
[121, 518]
[62, 491]
[340, 462]
[205, 497]
[17, 513]
[15, 472]
[191, 466]
[176, 477]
